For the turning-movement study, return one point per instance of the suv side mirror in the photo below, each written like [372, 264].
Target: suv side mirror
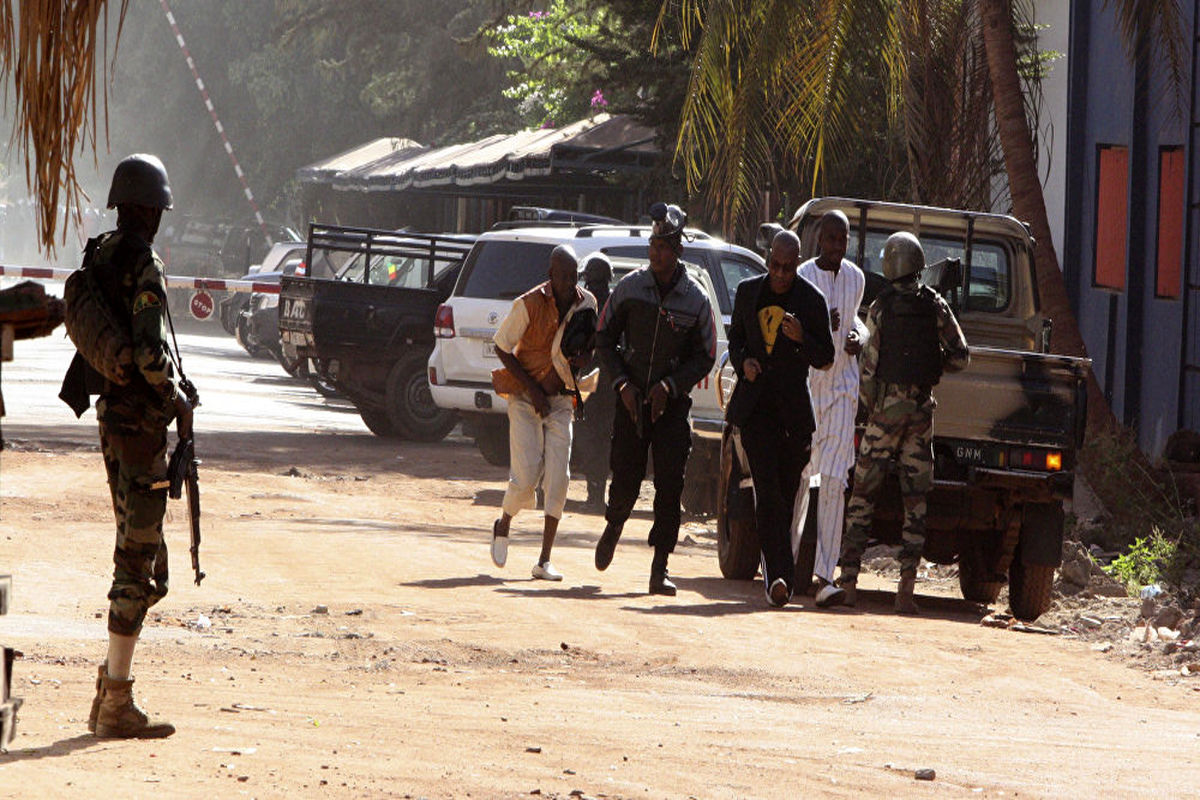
[766, 234]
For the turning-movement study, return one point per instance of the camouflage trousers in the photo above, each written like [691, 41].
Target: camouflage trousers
[133, 440]
[899, 434]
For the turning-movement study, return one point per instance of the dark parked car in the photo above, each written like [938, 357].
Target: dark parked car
[369, 332]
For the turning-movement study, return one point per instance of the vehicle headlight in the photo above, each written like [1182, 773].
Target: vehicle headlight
[269, 301]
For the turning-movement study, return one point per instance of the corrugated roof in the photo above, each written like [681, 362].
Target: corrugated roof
[500, 157]
[357, 156]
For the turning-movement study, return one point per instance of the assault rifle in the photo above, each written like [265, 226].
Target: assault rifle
[182, 473]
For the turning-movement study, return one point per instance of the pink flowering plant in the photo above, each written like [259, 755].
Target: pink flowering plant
[547, 64]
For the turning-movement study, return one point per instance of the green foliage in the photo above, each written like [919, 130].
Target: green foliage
[545, 47]
[1147, 561]
[294, 81]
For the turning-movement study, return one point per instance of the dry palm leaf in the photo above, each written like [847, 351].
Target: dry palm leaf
[49, 50]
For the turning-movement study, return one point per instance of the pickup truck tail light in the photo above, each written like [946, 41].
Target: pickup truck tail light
[301, 270]
[443, 322]
[1042, 460]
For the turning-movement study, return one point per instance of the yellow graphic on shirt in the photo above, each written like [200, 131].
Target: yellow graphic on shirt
[769, 318]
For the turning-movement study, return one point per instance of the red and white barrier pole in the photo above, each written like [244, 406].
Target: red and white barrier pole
[212, 112]
[173, 281]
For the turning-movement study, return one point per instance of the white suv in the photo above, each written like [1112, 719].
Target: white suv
[504, 264]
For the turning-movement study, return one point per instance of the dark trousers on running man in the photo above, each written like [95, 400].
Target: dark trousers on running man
[670, 438]
[777, 458]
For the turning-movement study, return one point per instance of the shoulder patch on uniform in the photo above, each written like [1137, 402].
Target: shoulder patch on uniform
[144, 301]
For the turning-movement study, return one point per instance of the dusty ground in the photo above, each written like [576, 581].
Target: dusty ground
[434, 674]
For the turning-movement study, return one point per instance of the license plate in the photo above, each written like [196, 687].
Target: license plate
[489, 350]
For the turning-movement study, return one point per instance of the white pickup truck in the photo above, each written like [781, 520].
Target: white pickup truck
[504, 264]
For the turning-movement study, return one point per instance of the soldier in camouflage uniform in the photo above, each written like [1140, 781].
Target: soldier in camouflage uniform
[134, 421]
[913, 338]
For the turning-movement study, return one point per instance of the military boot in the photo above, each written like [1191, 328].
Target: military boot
[101, 672]
[904, 593]
[850, 587]
[119, 718]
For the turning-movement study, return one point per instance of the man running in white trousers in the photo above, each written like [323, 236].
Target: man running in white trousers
[834, 401]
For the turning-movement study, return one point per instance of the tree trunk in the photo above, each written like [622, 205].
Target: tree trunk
[1029, 204]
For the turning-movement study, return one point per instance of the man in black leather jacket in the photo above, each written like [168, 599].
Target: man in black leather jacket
[657, 336]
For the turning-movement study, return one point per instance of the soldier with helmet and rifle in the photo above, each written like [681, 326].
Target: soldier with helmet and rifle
[117, 317]
[913, 338]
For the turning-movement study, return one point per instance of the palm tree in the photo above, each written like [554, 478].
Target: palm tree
[756, 90]
[1141, 21]
[49, 50]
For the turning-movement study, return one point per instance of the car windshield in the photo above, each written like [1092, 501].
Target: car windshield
[989, 285]
[504, 270]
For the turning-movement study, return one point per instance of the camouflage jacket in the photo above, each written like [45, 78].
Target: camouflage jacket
[131, 276]
[955, 354]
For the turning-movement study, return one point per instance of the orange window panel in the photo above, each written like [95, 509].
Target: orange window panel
[1170, 222]
[1112, 217]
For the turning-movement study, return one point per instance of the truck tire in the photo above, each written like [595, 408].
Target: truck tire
[977, 560]
[701, 483]
[492, 441]
[410, 404]
[379, 423]
[297, 368]
[737, 535]
[1030, 588]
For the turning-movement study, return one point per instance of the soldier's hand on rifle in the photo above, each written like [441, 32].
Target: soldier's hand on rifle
[853, 343]
[629, 399]
[791, 328]
[658, 400]
[183, 416]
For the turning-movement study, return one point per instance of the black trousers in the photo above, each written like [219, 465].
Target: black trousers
[671, 440]
[777, 458]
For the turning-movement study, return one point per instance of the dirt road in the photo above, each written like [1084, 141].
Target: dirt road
[432, 674]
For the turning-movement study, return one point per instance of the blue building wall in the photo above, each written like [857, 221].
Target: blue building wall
[1136, 340]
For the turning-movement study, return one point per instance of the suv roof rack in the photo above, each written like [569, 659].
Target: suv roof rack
[592, 231]
[539, 214]
[514, 224]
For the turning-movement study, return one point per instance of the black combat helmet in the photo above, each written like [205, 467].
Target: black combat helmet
[668, 221]
[140, 179]
[903, 256]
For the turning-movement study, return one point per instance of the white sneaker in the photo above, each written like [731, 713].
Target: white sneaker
[499, 546]
[830, 595]
[546, 572]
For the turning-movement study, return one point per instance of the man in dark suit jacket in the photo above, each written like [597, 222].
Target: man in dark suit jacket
[780, 328]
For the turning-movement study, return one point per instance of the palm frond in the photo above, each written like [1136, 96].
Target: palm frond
[1157, 25]
[49, 50]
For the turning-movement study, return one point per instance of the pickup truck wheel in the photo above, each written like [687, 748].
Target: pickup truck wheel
[737, 535]
[379, 423]
[410, 403]
[977, 560]
[492, 441]
[297, 367]
[1030, 588]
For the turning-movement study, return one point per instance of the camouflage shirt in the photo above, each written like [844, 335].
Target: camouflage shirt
[955, 354]
[133, 272]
